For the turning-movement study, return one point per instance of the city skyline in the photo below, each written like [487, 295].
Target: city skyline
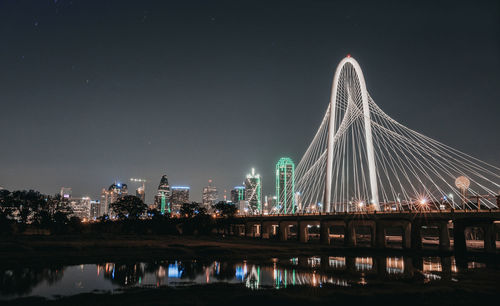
[107, 97]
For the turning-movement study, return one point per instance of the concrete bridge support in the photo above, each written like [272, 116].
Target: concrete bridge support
[459, 242]
[350, 234]
[444, 237]
[382, 226]
[324, 233]
[284, 230]
[416, 235]
[250, 230]
[267, 230]
[380, 235]
[303, 232]
[237, 230]
[489, 237]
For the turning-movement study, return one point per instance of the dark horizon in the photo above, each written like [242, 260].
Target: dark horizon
[97, 91]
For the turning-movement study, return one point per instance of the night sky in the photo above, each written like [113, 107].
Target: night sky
[93, 92]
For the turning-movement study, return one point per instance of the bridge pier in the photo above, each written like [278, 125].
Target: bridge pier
[444, 237]
[284, 231]
[380, 235]
[406, 236]
[267, 230]
[350, 235]
[416, 235]
[489, 238]
[351, 231]
[249, 230]
[324, 234]
[459, 242]
[303, 232]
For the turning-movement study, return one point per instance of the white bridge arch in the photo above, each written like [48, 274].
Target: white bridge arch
[360, 158]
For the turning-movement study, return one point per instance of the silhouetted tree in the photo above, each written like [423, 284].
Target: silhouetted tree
[225, 209]
[187, 209]
[130, 207]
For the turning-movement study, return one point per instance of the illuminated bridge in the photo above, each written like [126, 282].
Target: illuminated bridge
[363, 168]
[360, 158]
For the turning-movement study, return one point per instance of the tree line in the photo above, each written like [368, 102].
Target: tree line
[22, 211]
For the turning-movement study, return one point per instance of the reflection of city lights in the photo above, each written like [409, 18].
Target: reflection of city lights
[432, 264]
[363, 263]
[174, 271]
[240, 273]
[395, 265]
[337, 262]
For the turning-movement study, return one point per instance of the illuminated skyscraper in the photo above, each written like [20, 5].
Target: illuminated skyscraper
[238, 194]
[162, 197]
[140, 193]
[65, 193]
[285, 185]
[253, 191]
[209, 196]
[180, 195]
[80, 207]
[111, 195]
[95, 209]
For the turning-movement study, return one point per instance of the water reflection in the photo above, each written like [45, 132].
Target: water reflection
[316, 271]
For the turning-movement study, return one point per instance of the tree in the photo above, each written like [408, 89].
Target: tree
[129, 206]
[192, 209]
[225, 209]
[187, 209]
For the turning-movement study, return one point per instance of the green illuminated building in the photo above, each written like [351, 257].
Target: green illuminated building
[285, 185]
[238, 194]
[162, 197]
[253, 193]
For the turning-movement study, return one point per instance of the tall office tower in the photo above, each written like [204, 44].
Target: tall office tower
[162, 197]
[111, 195]
[65, 193]
[253, 190]
[95, 209]
[285, 185]
[180, 195]
[141, 193]
[270, 206]
[80, 207]
[237, 194]
[209, 196]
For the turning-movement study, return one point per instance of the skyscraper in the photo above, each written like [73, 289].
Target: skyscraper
[162, 197]
[253, 190]
[140, 193]
[180, 195]
[80, 207]
[95, 209]
[65, 193]
[111, 195]
[209, 196]
[285, 185]
[238, 194]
